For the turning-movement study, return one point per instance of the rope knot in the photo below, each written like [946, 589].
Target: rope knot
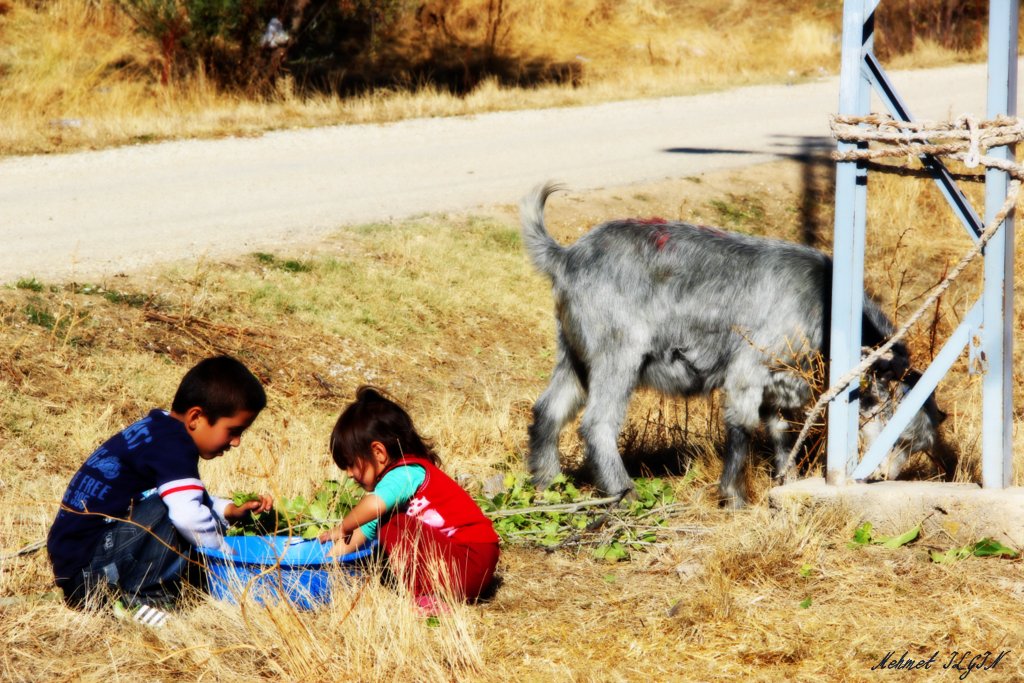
[973, 156]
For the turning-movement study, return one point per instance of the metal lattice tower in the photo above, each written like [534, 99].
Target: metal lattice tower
[987, 329]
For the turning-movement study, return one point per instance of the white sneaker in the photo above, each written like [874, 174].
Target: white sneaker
[147, 615]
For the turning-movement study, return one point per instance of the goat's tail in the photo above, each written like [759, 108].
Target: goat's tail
[547, 254]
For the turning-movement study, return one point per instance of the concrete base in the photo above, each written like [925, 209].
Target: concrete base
[962, 513]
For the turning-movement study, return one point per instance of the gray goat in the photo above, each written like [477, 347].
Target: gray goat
[687, 309]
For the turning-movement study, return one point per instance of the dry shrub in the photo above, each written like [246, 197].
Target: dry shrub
[75, 74]
[953, 25]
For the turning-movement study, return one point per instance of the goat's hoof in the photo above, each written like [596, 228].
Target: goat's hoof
[628, 494]
[732, 503]
[626, 490]
[542, 481]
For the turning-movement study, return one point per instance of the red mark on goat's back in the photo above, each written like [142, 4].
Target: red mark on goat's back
[660, 238]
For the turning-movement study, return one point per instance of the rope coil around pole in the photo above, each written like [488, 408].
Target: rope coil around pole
[965, 140]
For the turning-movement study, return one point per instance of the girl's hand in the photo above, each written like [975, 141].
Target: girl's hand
[336, 534]
[340, 549]
[235, 513]
[352, 543]
[368, 508]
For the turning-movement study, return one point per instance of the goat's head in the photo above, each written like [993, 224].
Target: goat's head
[883, 387]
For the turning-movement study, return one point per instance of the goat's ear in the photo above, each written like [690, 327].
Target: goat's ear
[892, 365]
[931, 405]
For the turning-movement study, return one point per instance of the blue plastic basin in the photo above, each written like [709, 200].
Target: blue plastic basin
[271, 567]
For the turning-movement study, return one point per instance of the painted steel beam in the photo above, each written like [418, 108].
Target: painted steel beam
[997, 336]
[848, 246]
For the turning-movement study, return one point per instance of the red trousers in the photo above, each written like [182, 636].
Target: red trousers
[431, 563]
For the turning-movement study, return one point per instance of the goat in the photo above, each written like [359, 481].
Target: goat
[687, 309]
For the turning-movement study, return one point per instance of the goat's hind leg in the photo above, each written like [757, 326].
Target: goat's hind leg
[559, 403]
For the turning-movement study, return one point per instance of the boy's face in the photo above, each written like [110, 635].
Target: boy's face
[213, 440]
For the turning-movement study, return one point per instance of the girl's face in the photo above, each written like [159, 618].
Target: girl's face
[366, 471]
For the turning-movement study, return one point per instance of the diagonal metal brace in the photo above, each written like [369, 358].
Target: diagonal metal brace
[874, 72]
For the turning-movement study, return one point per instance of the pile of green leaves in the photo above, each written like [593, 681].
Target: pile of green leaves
[544, 528]
[521, 515]
[550, 519]
[300, 516]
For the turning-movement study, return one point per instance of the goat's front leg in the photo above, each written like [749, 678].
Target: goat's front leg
[741, 419]
[559, 403]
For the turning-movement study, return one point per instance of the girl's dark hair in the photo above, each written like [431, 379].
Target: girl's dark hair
[375, 417]
[221, 386]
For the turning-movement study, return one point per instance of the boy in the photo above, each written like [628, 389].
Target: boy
[113, 531]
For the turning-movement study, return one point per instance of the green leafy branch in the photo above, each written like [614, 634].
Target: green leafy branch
[300, 516]
[563, 516]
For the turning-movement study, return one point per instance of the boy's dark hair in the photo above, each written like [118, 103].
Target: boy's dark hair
[375, 417]
[221, 386]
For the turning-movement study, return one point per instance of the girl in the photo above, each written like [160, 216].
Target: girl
[436, 537]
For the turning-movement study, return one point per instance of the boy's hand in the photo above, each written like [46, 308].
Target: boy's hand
[234, 513]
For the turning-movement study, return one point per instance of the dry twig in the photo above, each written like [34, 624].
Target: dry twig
[186, 323]
[594, 524]
[27, 550]
[561, 507]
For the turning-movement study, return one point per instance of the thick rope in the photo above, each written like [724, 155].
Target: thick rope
[913, 138]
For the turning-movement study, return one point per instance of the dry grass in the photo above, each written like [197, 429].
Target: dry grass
[75, 75]
[446, 312]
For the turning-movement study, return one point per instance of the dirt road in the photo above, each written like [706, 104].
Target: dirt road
[92, 215]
